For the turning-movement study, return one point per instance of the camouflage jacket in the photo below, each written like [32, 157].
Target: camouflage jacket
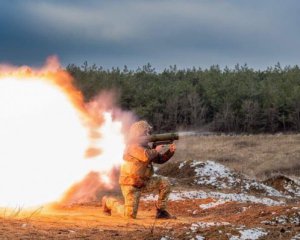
[137, 167]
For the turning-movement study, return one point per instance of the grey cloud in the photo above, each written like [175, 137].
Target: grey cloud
[139, 20]
[186, 33]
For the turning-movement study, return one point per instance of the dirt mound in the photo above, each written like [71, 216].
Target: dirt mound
[176, 170]
[213, 175]
[284, 184]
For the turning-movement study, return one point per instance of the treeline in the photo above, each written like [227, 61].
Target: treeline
[230, 100]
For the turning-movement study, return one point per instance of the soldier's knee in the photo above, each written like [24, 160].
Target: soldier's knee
[166, 185]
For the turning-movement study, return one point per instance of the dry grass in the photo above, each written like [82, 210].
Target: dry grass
[255, 155]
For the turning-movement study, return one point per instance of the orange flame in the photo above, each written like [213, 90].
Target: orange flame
[45, 130]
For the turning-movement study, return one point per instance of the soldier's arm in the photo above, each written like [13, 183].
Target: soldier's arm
[142, 154]
[164, 157]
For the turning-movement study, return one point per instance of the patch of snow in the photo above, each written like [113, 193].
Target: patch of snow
[213, 204]
[295, 220]
[250, 234]
[165, 238]
[175, 196]
[198, 225]
[266, 222]
[292, 187]
[210, 173]
[233, 197]
[244, 209]
[150, 197]
[181, 165]
[214, 174]
[252, 184]
[296, 180]
[199, 237]
[241, 197]
[296, 237]
[283, 219]
[211, 168]
[194, 227]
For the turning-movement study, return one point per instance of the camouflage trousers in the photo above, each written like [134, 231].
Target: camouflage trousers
[132, 197]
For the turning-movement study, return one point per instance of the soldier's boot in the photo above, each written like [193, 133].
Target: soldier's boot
[105, 209]
[163, 214]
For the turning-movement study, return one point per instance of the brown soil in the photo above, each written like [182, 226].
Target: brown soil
[259, 155]
[88, 222]
[278, 182]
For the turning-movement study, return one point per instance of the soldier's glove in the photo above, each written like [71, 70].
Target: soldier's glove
[172, 147]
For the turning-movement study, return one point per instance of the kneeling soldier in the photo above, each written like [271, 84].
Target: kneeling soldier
[137, 174]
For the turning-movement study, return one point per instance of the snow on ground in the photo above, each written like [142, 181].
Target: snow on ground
[213, 174]
[175, 196]
[296, 237]
[165, 238]
[210, 173]
[241, 197]
[234, 197]
[195, 226]
[284, 219]
[249, 234]
[181, 165]
[293, 187]
[249, 184]
[213, 204]
[296, 180]
[199, 237]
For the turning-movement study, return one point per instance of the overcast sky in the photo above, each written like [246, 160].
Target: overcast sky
[186, 33]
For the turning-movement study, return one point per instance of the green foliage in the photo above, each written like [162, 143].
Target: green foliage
[239, 99]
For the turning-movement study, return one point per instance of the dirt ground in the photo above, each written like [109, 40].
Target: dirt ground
[242, 208]
[88, 222]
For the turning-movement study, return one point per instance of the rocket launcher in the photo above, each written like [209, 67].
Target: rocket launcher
[162, 139]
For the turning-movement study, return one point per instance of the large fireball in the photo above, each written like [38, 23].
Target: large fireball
[44, 135]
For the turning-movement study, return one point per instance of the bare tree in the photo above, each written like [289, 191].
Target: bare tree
[225, 120]
[198, 109]
[271, 118]
[294, 117]
[158, 121]
[250, 111]
[172, 111]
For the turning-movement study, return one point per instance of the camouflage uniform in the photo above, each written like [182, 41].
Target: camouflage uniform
[137, 174]
[132, 197]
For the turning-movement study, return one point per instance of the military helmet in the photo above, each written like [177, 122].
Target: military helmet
[139, 129]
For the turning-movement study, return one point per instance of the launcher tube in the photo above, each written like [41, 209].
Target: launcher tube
[163, 137]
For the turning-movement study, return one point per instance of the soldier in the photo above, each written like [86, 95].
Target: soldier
[136, 174]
